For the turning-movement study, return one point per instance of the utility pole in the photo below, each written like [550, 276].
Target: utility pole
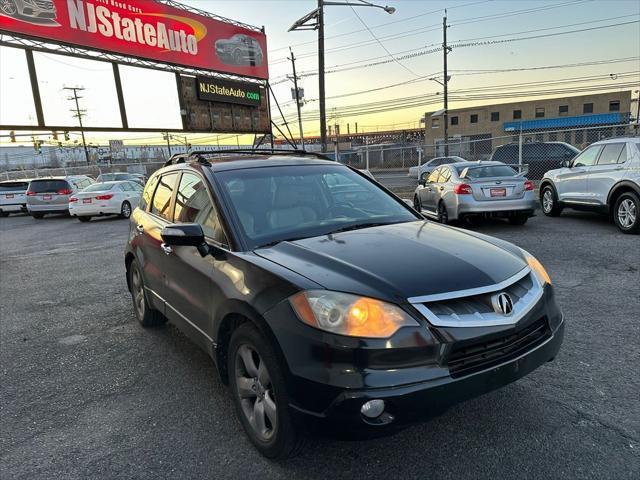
[295, 85]
[445, 50]
[166, 136]
[79, 114]
[323, 120]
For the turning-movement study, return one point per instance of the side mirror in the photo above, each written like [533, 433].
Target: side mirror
[185, 235]
[566, 163]
[422, 181]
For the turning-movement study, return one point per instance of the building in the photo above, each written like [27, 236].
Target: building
[474, 132]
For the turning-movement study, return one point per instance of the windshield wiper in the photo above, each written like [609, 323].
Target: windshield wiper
[276, 242]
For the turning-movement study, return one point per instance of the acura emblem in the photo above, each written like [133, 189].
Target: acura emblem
[502, 303]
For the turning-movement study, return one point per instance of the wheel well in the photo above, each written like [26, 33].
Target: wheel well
[127, 263]
[227, 326]
[546, 184]
[615, 194]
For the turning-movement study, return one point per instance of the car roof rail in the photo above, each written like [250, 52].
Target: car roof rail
[199, 155]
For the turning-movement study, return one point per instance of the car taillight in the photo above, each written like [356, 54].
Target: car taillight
[105, 197]
[64, 191]
[528, 186]
[31, 194]
[73, 199]
[462, 189]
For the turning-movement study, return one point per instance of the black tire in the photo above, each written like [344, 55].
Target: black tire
[549, 201]
[4, 214]
[443, 213]
[84, 218]
[125, 209]
[416, 203]
[37, 216]
[145, 313]
[283, 439]
[626, 213]
[518, 219]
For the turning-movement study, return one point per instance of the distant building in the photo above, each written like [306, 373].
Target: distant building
[578, 120]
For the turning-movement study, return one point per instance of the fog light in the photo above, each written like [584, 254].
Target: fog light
[372, 408]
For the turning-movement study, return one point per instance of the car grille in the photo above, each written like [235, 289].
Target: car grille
[43, 3]
[460, 310]
[468, 359]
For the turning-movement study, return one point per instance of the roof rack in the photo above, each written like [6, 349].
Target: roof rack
[199, 155]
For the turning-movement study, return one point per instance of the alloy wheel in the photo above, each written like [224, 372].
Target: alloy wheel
[137, 288]
[256, 392]
[547, 201]
[126, 210]
[627, 213]
[8, 7]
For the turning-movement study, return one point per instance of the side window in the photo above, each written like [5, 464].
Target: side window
[445, 175]
[125, 187]
[587, 158]
[148, 192]
[610, 153]
[194, 206]
[433, 178]
[161, 204]
[623, 154]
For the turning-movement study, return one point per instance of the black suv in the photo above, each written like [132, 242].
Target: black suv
[539, 156]
[325, 300]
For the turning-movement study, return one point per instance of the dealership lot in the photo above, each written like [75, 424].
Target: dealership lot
[85, 392]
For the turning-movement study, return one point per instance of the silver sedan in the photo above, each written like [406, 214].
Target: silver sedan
[469, 190]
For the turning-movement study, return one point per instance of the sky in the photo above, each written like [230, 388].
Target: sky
[355, 37]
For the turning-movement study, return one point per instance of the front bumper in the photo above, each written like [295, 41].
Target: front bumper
[331, 377]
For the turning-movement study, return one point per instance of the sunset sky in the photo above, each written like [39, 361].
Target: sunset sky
[609, 33]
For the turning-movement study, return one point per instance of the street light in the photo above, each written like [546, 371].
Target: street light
[314, 20]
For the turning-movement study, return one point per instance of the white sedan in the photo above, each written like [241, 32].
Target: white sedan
[108, 198]
[432, 164]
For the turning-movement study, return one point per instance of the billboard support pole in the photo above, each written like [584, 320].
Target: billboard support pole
[33, 77]
[118, 83]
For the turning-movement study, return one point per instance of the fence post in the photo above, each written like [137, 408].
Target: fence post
[520, 150]
[382, 157]
[419, 161]
[367, 152]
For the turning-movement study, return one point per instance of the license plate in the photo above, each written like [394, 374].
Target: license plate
[9, 195]
[86, 200]
[46, 197]
[498, 192]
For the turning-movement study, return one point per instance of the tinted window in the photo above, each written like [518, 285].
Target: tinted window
[193, 206]
[48, 186]
[161, 204]
[13, 186]
[555, 150]
[623, 155]
[508, 154]
[610, 153]
[273, 204]
[488, 171]
[148, 192]
[587, 158]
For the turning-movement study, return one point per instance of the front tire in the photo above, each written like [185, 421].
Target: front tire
[259, 393]
[84, 218]
[549, 202]
[38, 216]
[145, 313]
[4, 214]
[626, 213]
[125, 210]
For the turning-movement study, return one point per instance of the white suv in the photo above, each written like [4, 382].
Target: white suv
[604, 177]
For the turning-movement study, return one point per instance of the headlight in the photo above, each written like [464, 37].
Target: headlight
[350, 315]
[537, 268]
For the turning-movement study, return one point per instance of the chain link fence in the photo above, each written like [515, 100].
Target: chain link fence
[146, 168]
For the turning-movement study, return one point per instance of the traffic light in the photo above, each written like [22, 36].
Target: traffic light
[12, 135]
[66, 136]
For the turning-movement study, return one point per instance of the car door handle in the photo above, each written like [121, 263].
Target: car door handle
[166, 249]
[139, 229]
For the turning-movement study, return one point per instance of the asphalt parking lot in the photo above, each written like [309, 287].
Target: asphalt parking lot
[85, 392]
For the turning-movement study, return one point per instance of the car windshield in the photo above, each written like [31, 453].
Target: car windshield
[488, 171]
[274, 204]
[99, 187]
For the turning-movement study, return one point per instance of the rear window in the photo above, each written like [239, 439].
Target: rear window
[48, 186]
[13, 186]
[489, 171]
[508, 154]
[99, 187]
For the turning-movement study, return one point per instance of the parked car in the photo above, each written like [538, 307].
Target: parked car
[41, 9]
[51, 194]
[111, 177]
[605, 178]
[540, 157]
[108, 198]
[475, 189]
[429, 166]
[353, 312]
[13, 196]
[240, 49]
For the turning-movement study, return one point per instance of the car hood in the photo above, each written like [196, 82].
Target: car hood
[395, 262]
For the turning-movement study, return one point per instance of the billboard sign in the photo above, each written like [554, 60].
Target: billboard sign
[145, 29]
[242, 93]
